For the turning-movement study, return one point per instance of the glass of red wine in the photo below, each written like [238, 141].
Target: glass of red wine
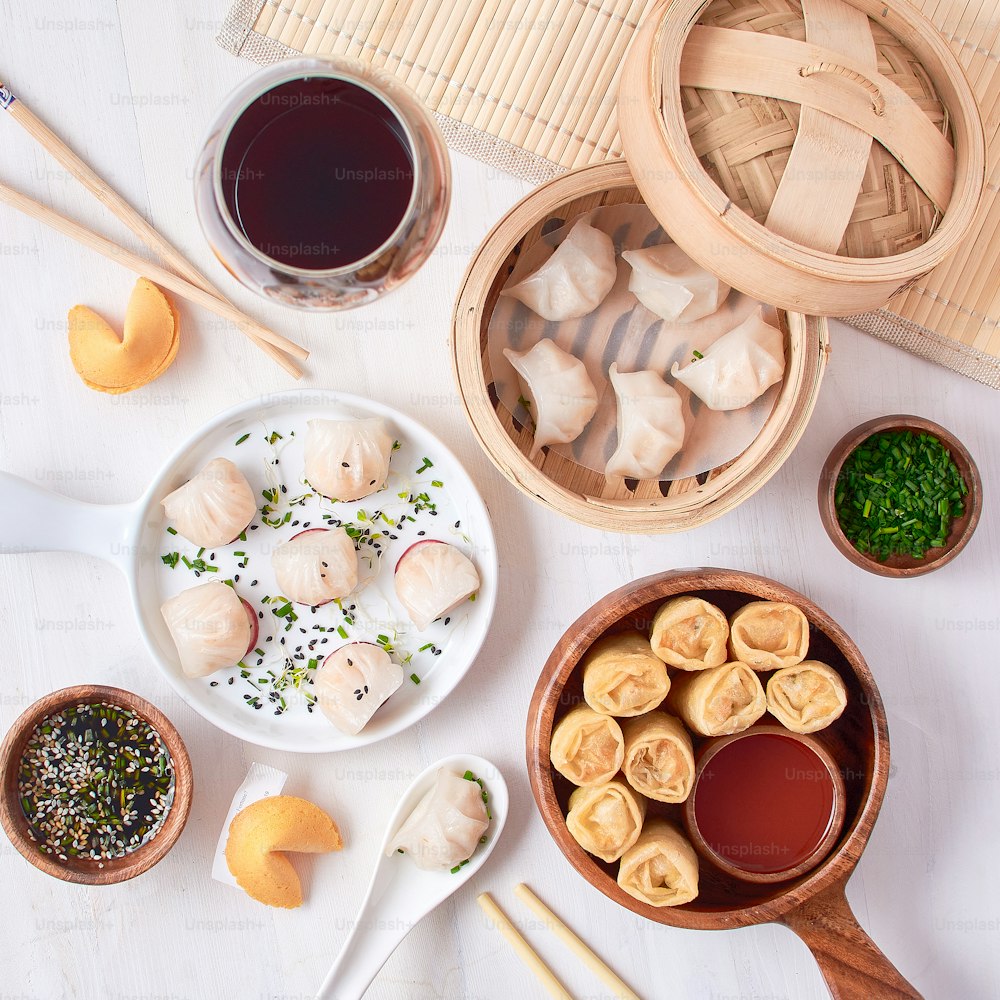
[323, 183]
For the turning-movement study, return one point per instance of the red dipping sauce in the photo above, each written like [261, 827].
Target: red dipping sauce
[764, 803]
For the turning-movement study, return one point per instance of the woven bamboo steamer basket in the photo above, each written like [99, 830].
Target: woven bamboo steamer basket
[560, 484]
[755, 86]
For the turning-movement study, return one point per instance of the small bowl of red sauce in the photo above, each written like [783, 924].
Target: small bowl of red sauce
[767, 804]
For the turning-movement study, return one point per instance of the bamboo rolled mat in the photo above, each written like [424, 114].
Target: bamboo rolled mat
[529, 86]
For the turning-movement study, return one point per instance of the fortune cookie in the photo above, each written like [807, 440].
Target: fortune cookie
[145, 350]
[260, 833]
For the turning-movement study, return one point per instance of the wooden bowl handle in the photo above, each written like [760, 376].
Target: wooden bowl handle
[851, 963]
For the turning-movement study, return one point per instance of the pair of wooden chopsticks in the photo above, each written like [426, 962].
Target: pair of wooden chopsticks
[187, 282]
[530, 957]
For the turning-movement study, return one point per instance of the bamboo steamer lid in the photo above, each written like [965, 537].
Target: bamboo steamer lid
[819, 155]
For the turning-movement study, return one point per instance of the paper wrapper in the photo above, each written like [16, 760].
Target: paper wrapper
[261, 782]
[622, 330]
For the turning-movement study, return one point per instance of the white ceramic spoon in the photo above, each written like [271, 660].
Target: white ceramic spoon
[400, 893]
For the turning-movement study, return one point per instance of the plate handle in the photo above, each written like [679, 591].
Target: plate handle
[33, 519]
[852, 964]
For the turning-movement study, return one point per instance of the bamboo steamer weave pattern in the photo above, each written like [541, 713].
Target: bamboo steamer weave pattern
[744, 140]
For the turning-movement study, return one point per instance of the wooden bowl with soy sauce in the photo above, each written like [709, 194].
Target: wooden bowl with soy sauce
[105, 740]
[811, 902]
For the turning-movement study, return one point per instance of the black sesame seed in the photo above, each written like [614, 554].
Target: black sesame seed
[345, 465]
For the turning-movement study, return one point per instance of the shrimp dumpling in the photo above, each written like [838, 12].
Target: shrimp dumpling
[316, 566]
[446, 826]
[575, 280]
[354, 682]
[432, 578]
[213, 507]
[650, 424]
[348, 459]
[559, 394]
[739, 367]
[212, 627]
[671, 285]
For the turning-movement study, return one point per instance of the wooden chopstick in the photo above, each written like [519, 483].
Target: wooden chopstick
[143, 267]
[575, 944]
[146, 232]
[522, 949]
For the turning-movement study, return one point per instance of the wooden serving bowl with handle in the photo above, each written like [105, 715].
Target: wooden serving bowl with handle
[813, 904]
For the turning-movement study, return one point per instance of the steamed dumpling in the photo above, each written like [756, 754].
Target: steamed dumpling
[316, 566]
[575, 280]
[560, 396]
[650, 424]
[353, 683]
[446, 826]
[348, 459]
[211, 627]
[213, 507]
[432, 578]
[671, 285]
[739, 367]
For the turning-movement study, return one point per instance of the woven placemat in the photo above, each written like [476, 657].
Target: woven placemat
[529, 86]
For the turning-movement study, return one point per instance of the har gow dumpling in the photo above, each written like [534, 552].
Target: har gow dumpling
[650, 424]
[739, 367]
[213, 507]
[354, 682]
[212, 627]
[671, 285]
[432, 578]
[316, 566]
[446, 826]
[575, 280]
[348, 459]
[560, 396]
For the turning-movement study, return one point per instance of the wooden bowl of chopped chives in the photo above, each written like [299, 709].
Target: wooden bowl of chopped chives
[95, 785]
[900, 496]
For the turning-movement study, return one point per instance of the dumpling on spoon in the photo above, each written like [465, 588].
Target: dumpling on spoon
[213, 507]
[559, 394]
[671, 285]
[212, 627]
[650, 424]
[316, 566]
[354, 682]
[739, 367]
[446, 826]
[575, 280]
[433, 578]
[348, 459]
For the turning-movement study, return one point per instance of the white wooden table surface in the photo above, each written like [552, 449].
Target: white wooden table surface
[132, 87]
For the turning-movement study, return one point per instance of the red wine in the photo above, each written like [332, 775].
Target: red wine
[317, 173]
[764, 803]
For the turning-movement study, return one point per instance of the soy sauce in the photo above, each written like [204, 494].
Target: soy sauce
[764, 803]
[317, 173]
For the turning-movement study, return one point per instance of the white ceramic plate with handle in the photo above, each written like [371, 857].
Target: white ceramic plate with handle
[267, 699]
